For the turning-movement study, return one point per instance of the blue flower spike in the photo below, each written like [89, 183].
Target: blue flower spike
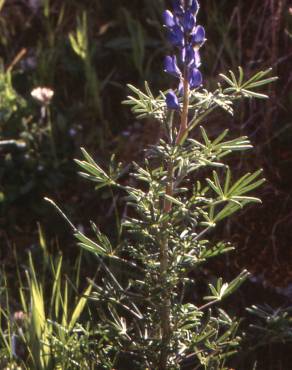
[187, 37]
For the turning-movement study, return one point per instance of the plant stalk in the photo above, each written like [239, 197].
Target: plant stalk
[165, 307]
[183, 130]
[164, 260]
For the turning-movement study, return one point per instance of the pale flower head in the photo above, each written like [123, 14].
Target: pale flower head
[43, 95]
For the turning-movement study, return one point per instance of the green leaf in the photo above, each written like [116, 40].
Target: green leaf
[227, 79]
[223, 290]
[173, 200]
[144, 105]
[253, 94]
[262, 82]
[79, 307]
[238, 86]
[244, 183]
[90, 245]
[227, 211]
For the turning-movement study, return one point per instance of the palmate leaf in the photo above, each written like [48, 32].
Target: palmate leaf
[145, 104]
[272, 324]
[232, 194]
[89, 245]
[92, 170]
[102, 239]
[204, 100]
[101, 247]
[221, 345]
[214, 251]
[214, 150]
[245, 184]
[245, 89]
[142, 174]
[223, 290]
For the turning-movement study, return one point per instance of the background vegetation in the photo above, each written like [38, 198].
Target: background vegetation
[86, 52]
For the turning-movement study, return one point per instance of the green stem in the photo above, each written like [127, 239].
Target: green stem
[164, 244]
[183, 130]
[164, 264]
[165, 307]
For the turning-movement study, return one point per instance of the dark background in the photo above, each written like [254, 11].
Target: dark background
[126, 44]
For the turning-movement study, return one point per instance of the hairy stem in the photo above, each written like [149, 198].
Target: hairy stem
[165, 307]
[164, 259]
[183, 130]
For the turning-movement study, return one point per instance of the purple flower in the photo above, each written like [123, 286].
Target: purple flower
[177, 7]
[187, 37]
[189, 21]
[172, 101]
[169, 20]
[197, 59]
[195, 78]
[198, 36]
[191, 56]
[194, 6]
[176, 36]
[171, 67]
[187, 54]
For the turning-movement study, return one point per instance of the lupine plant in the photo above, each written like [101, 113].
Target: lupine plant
[152, 312]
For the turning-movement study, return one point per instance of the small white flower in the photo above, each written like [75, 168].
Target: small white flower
[43, 94]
